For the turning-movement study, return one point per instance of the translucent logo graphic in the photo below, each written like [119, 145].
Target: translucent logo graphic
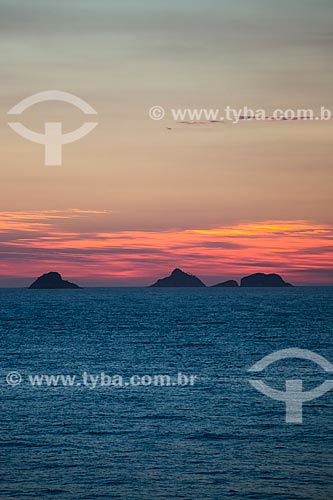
[53, 138]
[293, 396]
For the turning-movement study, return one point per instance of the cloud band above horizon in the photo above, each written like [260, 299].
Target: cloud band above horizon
[66, 241]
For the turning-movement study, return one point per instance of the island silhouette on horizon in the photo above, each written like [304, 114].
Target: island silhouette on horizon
[51, 280]
[177, 279]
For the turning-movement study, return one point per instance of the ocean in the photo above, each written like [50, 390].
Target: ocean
[214, 439]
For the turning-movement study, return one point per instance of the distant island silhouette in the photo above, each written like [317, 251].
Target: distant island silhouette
[262, 280]
[180, 279]
[51, 281]
[226, 284]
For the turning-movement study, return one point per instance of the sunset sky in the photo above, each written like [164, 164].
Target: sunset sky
[133, 200]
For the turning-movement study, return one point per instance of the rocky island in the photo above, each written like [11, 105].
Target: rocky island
[51, 281]
[264, 280]
[226, 284]
[179, 279]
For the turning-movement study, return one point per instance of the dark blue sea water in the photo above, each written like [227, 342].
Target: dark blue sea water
[215, 440]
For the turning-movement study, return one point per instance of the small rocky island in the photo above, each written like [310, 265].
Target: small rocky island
[264, 280]
[179, 279]
[51, 281]
[226, 284]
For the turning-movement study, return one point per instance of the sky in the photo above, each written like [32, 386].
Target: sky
[133, 200]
